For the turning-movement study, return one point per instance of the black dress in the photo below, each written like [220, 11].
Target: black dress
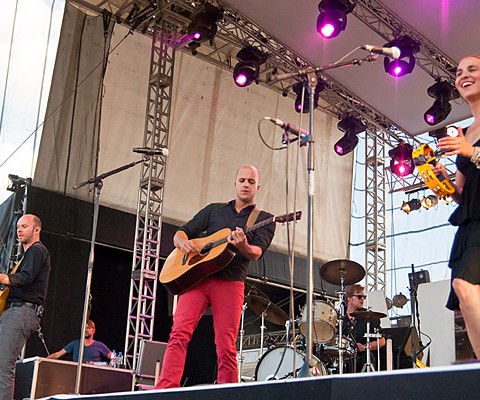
[465, 254]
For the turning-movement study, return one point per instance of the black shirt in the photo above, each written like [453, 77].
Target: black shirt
[217, 216]
[30, 282]
[356, 328]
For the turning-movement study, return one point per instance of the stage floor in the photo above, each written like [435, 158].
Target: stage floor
[461, 381]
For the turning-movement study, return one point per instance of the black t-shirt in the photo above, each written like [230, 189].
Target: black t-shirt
[30, 282]
[356, 328]
[217, 216]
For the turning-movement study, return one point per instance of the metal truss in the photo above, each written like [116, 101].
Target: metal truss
[146, 260]
[375, 212]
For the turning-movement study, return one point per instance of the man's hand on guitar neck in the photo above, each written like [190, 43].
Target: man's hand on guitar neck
[238, 239]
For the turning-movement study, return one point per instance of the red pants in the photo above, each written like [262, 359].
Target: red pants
[226, 299]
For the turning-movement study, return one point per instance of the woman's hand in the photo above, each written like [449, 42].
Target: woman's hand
[453, 146]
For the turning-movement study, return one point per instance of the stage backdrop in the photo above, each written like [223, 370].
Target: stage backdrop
[91, 128]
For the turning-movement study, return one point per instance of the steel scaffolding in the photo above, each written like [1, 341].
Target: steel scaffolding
[146, 260]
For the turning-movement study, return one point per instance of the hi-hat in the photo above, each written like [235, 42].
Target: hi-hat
[252, 290]
[333, 271]
[273, 313]
[368, 314]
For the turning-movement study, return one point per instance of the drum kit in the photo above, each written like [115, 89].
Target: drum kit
[333, 349]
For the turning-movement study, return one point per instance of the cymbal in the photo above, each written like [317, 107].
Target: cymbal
[368, 314]
[273, 313]
[333, 271]
[253, 290]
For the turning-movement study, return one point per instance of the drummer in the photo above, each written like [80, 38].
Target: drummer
[356, 328]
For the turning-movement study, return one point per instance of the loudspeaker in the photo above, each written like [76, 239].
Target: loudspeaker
[150, 352]
[420, 277]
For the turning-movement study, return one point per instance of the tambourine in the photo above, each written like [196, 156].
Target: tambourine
[424, 158]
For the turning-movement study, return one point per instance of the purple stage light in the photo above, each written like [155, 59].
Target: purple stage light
[339, 150]
[327, 30]
[401, 160]
[197, 35]
[241, 80]
[429, 119]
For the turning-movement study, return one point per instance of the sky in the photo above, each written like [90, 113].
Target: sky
[28, 40]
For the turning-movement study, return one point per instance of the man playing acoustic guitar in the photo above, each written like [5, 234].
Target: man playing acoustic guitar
[24, 307]
[223, 291]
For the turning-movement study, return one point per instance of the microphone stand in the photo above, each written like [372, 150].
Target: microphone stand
[311, 75]
[98, 184]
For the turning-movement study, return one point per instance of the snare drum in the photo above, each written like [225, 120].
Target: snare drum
[324, 322]
[277, 363]
[329, 351]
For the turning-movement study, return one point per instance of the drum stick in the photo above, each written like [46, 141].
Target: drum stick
[389, 355]
[157, 371]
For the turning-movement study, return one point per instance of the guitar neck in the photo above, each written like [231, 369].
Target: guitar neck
[246, 230]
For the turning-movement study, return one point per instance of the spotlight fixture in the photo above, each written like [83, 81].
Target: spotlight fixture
[352, 127]
[401, 160]
[247, 69]
[411, 205]
[298, 88]
[442, 92]
[203, 26]
[399, 300]
[429, 201]
[333, 17]
[406, 62]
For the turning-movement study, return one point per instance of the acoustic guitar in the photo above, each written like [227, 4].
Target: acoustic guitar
[181, 271]
[5, 291]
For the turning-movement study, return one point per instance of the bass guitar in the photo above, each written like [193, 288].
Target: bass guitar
[181, 271]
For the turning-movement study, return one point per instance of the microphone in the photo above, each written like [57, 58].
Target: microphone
[393, 52]
[151, 152]
[287, 127]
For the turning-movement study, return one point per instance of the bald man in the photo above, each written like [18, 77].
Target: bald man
[223, 291]
[24, 307]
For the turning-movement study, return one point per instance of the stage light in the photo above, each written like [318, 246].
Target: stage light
[411, 205]
[247, 69]
[352, 127]
[399, 300]
[442, 92]
[203, 26]
[333, 17]
[406, 62]
[401, 160]
[298, 88]
[429, 201]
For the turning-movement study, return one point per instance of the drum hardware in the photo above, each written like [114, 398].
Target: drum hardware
[369, 315]
[341, 272]
[250, 290]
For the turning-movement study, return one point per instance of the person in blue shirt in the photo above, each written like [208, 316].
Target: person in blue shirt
[93, 350]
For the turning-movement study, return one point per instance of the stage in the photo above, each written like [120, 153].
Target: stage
[460, 381]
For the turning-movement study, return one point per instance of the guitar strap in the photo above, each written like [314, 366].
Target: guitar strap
[252, 217]
[17, 265]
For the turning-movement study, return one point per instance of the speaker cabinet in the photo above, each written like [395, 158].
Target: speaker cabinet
[39, 377]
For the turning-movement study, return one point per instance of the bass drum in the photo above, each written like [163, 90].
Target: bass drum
[277, 363]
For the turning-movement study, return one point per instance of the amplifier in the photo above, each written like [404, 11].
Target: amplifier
[38, 377]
